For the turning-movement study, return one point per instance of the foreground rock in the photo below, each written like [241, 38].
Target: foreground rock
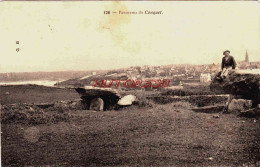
[243, 83]
[97, 104]
[254, 112]
[238, 105]
[72, 105]
[209, 109]
[93, 96]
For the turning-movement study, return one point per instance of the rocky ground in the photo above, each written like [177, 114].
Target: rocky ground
[152, 133]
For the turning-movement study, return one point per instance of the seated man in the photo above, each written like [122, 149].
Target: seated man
[228, 63]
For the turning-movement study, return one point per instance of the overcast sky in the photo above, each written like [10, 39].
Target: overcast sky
[59, 36]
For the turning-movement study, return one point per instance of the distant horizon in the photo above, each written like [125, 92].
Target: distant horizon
[102, 70]
[82, 70]
[114, 68]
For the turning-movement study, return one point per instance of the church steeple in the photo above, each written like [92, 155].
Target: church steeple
[246, 58]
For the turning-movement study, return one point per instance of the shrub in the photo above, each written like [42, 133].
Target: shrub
[201, 101]
[189, 90]
[32, 116]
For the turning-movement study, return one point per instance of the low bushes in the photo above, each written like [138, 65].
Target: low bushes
[189, 90]
[201, 101]
[29, 115]
[196, 100]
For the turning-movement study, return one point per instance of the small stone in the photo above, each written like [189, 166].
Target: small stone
[215, 116]
[210, 158]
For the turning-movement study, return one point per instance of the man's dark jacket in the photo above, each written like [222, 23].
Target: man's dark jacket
[230, 62]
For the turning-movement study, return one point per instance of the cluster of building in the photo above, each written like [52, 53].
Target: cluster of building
[184, 73]
[178, 74]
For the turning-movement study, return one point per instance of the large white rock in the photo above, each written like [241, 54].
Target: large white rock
[127, 100]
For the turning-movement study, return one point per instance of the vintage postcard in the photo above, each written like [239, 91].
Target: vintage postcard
[130, 83]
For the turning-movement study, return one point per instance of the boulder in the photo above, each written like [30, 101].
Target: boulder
[97, 104]
[61, 104]
[238, 105]
[98, 92]
[127, 100]
[78, 105]
[109, 96]
[253, 112]
[209, 109]
[245, 83]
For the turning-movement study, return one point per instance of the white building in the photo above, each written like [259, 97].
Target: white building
[205, 77]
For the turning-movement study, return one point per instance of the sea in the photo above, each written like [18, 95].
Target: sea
[41, 82]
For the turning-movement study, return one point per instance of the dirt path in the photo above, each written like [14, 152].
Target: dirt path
[162, 136]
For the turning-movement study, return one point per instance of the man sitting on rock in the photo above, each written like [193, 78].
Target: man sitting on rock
[228, 63]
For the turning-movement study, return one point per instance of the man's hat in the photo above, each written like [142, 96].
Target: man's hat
[226, 51]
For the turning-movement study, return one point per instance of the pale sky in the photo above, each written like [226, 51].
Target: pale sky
[60, 36]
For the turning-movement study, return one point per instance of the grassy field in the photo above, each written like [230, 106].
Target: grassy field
[156, 135]
[35, 94]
